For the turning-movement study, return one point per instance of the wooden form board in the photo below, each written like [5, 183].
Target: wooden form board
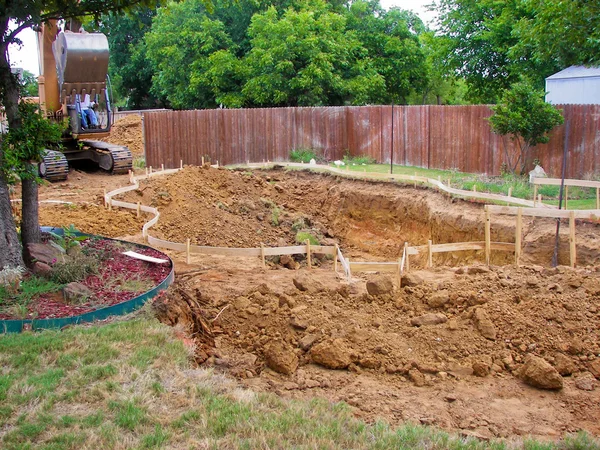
[461, 246]
[568, 182]
[374, 266]
[591, 214]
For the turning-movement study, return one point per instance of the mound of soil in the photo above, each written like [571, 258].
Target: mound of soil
[492, 320]
[94, 219]
[220, 207]
[128, 132]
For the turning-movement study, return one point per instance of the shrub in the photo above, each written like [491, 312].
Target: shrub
[302, 236]
[303, 155]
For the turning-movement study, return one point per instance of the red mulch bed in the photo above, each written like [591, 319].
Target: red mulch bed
[113, 271]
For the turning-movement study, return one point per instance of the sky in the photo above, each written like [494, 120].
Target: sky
[26, 57]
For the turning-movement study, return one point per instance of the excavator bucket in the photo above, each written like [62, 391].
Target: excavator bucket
[81, 62]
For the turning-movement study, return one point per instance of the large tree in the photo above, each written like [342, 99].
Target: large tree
[16, 16]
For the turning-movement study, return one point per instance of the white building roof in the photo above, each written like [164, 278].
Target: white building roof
[576, 72]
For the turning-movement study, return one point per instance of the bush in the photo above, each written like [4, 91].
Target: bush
[303, 155]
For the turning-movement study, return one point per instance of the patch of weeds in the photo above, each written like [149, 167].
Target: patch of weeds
[157, 439]
[93, 420]
[47, 381]
[128, 415]
[186, 419]
[275, 216]
[157, 388]
[302, 236]
[65, 441]
[303, 155]
[139, 162]
[300, 224]
[225, 414]
[67, 421]
[95, 372]
[5, 413]
[75, 269]
[30, 288]
[358, 160]
[102, 353]
[143, 357]
[268, 203]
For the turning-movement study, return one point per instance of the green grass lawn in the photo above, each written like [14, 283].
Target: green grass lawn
[130, 384]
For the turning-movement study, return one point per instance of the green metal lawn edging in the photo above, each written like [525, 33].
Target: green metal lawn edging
[17, 326]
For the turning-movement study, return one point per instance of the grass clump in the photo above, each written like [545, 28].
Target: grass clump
[360, 160]
[275, 211]
[75, 268]
[303, 236]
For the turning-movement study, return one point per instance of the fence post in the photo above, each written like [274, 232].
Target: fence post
[518, 235]
[187, 251]
[335, 258]
[429, 254]
[572, 248]
[262, 255]
[139, 209]
[487, 235]
[308, 258]
[407, 256]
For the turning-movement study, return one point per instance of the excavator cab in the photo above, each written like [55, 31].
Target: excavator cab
[73, 79]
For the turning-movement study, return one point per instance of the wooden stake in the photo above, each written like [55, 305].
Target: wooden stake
[518, 235]
[262, 255]
[162, 167]
[540, 199]
[510, 191]
[349, 270]
[487, 235]
[415, 180]
[203, 160]
[474, 188]
[150, 170]
[187, 251]
[139, 209]
[181, 163]
[146, 171]
[567, 197]
[335, 259]
[429, 254]
[399, 273]
[104, 198]
[448, 182]
[308, 258]
[407, 256]
[534, 195]
[597, 198]
[572, 247]
[110, 203]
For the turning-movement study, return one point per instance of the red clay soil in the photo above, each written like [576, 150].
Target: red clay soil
[128, 132]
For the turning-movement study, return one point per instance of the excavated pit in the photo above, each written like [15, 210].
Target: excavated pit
[370, 221]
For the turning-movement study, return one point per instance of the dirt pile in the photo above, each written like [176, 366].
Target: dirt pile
[219, 207]
[305, 334]
[128, 132]
[91, 218]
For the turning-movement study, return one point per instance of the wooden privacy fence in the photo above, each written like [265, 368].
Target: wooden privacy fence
[430, 136]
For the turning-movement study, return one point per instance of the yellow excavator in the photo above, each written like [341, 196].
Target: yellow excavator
[73, 78]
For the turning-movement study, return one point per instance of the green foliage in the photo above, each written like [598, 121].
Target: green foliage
[69, 238]
[29, 289]
[275, 211]
[25, 144]
[29, 85]
[526, 118]
[303, 236]
[303, 155]
[358, 160]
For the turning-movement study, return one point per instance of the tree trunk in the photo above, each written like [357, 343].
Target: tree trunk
[10, 253]
[30, 225]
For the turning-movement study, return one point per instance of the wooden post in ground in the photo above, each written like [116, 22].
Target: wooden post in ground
[518, 235]
[150, 170]
[146, 172]
[203, 160]
[187, 251]
[349, 270]
[308, 258]
[429, 254]
[399, 273]
[110, 203]
[262, 255]
[139, 209]
[104, 198]
[509, 194]
[572, 247]
[162, 167]
[415, 180]
[540, 199]
[474, 188]
[217, 163]
[335, 258]
[567, 196]
[181, 163]
[407, 256]
[597, 198]
[448, 182]
[534, 195]
[129, 173]
[487, 235]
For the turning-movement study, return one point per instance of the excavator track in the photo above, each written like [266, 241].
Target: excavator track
[54, 166]
[113, 158]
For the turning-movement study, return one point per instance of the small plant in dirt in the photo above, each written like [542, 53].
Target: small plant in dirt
[275, 216]
[139, 163]
[302, 236]
[300, 224]
[304, 155]
[69, 238]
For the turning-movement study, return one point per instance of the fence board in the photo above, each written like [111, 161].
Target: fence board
[431, 136]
